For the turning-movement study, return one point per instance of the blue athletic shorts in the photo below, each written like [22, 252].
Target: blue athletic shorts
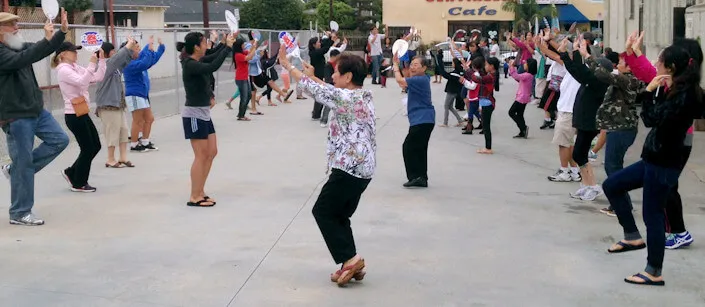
[196, 129]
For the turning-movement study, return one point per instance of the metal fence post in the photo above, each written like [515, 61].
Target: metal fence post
[176, 77]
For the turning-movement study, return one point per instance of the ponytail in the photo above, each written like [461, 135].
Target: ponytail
[182, 51]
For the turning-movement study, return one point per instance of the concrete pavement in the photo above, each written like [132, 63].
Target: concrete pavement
[489, 231]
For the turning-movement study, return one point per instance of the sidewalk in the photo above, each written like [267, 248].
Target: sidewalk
[489, 231]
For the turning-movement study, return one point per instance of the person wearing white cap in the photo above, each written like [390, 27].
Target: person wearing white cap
[22, 113]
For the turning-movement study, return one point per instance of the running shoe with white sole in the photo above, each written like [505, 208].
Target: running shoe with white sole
[560, 176]
[27, 220]
[6, 170]
[66, 177]
[576, 176]
[609, 211]
[675, 241]
[151, 147]
[591, 193]
[580, 192]
[84, 189]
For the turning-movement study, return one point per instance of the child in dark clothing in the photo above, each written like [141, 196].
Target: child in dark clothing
[506, 67]
[383, 71]
[439, 69]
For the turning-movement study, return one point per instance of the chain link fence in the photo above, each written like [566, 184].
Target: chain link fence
[166, 94]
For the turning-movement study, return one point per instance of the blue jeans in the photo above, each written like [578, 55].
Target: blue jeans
[657, 182]
[376, 63]
[25, 161]
[618, 142]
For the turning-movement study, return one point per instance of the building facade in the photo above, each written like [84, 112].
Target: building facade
[438, 19]
[662, 21]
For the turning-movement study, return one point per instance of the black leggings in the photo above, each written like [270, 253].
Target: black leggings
[516, 112]
[415, 151]
[674, 204]
[487, 125]
[88, 140]
[583, 142]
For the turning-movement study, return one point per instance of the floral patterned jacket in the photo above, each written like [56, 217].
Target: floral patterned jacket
[351, 138]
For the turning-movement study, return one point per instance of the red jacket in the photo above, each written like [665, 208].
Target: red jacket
[485, 84]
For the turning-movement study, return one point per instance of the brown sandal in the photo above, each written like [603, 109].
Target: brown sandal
[347, 273]
[358, 276]
[116, 165]
[127, 163]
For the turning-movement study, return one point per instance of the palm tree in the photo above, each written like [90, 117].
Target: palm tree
[526, 11]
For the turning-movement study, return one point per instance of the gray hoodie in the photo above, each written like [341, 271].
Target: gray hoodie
[111, 91]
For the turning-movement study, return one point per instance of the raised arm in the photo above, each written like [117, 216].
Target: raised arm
[99, 74]
[397, 74]
[194, 67]
[517, 76]
[212, 54]
[11, 60]
[158, 54]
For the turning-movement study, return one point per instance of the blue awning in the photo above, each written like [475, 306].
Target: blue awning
[569, 14]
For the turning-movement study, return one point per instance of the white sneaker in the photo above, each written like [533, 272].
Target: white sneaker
[575, 176]
[591, 193]
[580, 192]
[324, 125]
[6, 170]
[27, 220]
[561, 176]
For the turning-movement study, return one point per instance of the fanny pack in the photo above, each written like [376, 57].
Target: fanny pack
[80, 106]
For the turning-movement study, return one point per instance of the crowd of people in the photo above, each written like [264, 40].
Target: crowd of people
[589, 97]
[581, 93]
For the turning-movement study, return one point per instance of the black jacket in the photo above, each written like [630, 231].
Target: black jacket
[20, 96]
[318, 58]
[197, 77]
[268, 68]
[453, 86]
[591, 93]
[669, 120]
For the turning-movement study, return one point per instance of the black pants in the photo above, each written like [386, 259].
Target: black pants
[674, 204]
[415, 151]
[317, 109]
[88, 140]
[268, 92]
[516, 112]
[335, 205]
[583, 142]
[459, 103]
[487, 125]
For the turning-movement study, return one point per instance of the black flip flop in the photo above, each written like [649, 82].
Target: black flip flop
[200, 203]
[627, 248]
[209, 199]
[647, 281]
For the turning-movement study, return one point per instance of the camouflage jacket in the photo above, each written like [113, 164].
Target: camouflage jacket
[618, 111]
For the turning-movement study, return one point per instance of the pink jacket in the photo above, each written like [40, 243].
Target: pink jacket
[644, 71]
[74, 81]
[526, 81]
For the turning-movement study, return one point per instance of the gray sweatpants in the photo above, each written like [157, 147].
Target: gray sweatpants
[448, 107]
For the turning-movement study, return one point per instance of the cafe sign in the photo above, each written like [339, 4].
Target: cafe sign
[476, 7]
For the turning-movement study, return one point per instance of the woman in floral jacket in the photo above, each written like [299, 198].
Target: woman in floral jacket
[351, 156]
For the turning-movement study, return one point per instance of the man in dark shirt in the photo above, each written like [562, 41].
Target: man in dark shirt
[22, 114]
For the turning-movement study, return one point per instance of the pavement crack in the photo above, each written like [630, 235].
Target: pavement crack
[310, 196]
